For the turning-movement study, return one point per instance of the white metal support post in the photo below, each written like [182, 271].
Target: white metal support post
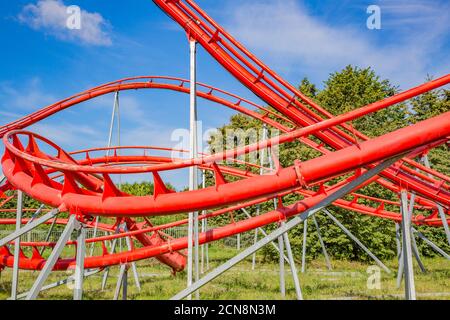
[398, 239]
[193, 252]
[414, 248]
[114, 114]
[205, 247]
[79, 268]
[15, 275]
[262, 163]
[305, 234]
[283, 239]
[410, 291]
[281, 262]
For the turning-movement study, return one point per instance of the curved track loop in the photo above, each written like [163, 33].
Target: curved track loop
[137, 231]
[406, 176]
[87, 188]
[24, 169]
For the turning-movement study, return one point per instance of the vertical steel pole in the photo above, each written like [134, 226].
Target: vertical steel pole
[284, 239]
[118, 132]
[207, 248]
[305, 234]
[117, 105]
[125, 285]
[400, 269]
[262, 163]
[282, 275]
[79, 268]
[15, 275]
[193, 185]
[410, 291]
[281, 244]
[398, 237]
[255, 240]
[280, 238]
[202, 230]
[206, 229]
[113, 117]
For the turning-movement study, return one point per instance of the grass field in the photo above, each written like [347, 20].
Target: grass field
[347, 280]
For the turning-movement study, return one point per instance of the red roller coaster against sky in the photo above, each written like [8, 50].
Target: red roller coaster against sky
[81, 183]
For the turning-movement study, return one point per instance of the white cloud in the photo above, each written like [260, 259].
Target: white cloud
[284, 32]
[27, 97]
[9, 115]
[50, 16]
[67, 135]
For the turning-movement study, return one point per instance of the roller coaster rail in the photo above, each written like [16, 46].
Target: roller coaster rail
[77, 189]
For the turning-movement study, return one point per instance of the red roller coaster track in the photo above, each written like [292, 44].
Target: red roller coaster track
[81, 183]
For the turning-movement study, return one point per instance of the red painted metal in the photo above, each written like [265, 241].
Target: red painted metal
[88, 189]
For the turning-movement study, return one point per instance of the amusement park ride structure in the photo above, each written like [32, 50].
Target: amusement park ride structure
[81, 184]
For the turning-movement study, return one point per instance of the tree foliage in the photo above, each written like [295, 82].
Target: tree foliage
[344, 91]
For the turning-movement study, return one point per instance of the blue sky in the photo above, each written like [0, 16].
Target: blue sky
[40, 62]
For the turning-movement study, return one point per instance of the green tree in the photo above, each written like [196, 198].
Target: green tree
[353, 88]
[344, 91]
[424, 107]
